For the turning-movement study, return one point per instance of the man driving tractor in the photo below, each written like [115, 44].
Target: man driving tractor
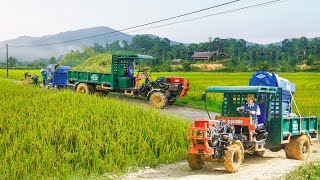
[250, 108]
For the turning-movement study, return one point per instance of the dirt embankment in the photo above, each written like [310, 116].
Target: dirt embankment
[208, 66]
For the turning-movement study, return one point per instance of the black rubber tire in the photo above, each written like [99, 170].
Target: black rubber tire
[232, 158]
[83, 88]
[101, 93]
[171, 102]
[195, 161]
[298, 148]
[259, 153]
[158, 100]
[275, 149]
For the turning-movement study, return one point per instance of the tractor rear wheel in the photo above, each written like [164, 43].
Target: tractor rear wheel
[195, 161]
[232, 158]
[84, 88]
[298, 148]
[158, 100]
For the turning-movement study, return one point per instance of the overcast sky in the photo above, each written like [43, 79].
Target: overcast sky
[267, 24]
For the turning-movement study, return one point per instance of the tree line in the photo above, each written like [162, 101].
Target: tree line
[241, 57]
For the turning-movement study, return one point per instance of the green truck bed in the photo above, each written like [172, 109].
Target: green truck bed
[108, 80]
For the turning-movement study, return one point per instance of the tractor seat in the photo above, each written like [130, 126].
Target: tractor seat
[262, 117]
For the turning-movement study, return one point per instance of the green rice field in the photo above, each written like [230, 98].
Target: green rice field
[53, 135]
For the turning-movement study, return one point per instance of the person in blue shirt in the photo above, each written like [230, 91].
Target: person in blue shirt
[250, 108]
[44, 76]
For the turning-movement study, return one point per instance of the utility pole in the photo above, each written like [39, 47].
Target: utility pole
[7, 60]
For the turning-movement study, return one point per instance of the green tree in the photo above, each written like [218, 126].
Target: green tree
[52, 60]
[186, 65]
[12, 61]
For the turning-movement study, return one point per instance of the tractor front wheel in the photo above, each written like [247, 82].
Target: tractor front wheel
[195, 161]
[298, 147]
[158, 100]
[232, 158]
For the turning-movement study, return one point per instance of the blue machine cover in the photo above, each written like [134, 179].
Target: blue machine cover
[262, 78]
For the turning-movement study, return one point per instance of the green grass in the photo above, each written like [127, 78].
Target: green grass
[306, 171]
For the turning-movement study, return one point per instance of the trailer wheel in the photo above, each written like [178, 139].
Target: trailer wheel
[195, 161]
[83, 88]
[298, 148]
[232, 158]
[158, 100]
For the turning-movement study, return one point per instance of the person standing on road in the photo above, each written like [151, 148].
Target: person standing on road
[44, 76]
[251, 108]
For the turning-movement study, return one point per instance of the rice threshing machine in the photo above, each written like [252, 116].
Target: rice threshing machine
[57, 75]
[274, 126]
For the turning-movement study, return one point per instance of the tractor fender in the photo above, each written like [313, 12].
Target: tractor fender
[238, 142]
[74, 85]
[153, 90]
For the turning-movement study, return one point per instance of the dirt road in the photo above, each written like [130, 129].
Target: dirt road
[272, 166]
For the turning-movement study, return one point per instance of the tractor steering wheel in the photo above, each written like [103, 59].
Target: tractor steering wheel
[244, 113]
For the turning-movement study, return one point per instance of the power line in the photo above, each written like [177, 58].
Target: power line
[215, 14]
[201, 17]
[133, 27]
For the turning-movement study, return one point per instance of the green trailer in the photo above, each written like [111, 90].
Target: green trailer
[121, 79]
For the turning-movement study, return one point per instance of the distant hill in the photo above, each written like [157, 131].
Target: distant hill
[28, 54]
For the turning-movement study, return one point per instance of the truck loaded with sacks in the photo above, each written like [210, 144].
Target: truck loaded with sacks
[253, 118]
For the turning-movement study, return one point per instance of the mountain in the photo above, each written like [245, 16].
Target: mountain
[31, 53]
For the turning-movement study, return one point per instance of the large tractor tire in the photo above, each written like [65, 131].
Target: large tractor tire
[232, 158]
[298, 147]
[195, 161]
[84, 88]
[158, 100]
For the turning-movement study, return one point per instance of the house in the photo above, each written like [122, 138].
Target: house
[176, 61]
[208, 56]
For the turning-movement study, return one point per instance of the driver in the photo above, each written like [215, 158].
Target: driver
[251, 108]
